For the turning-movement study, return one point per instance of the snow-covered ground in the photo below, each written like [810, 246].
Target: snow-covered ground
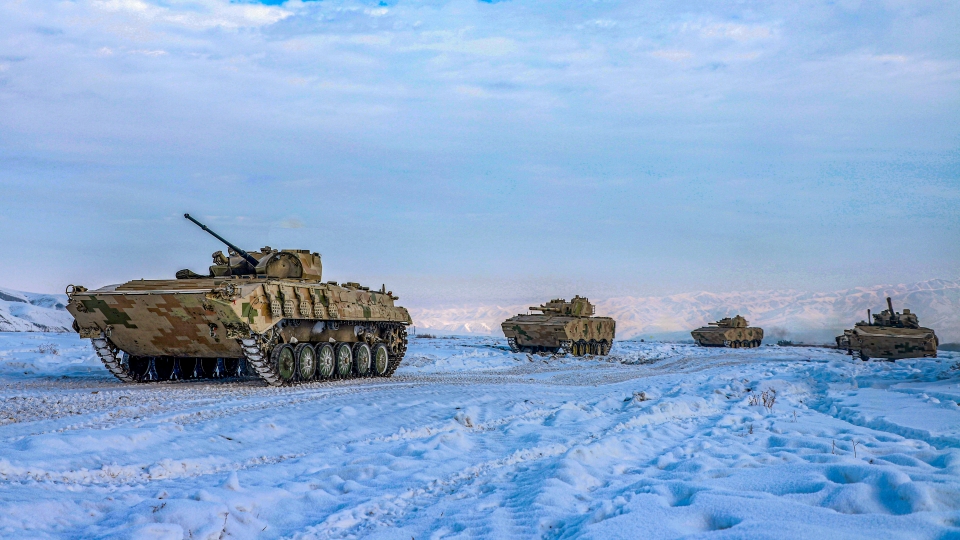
[470, 441]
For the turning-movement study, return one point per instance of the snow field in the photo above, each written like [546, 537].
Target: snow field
[468, 440]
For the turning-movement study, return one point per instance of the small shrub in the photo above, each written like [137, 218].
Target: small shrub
[767, 398]
[425, 336]
[48, 348]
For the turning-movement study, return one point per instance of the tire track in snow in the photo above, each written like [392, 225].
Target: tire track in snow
[389, 508]
[170, 404]
[168, 469]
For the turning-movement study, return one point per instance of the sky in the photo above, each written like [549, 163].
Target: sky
[466, 151]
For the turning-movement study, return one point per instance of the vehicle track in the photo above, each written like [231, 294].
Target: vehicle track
[164, 403]
[136, 474]
[390, 508]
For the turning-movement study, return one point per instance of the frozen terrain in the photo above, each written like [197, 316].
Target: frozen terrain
[471, 441]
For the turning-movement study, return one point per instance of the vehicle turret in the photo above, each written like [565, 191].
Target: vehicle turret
[730, 322]
[889, 335]
[578, 307]
[268, 262]
[891, 318]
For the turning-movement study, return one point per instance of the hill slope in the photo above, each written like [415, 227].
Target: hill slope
[31, 312]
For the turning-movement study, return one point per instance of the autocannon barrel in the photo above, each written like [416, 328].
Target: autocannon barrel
[246, 256]
[890, 305]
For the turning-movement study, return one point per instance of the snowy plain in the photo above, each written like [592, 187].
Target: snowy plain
[468, 440]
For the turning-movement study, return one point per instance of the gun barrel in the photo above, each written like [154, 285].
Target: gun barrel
[246, 256]
[890, 305]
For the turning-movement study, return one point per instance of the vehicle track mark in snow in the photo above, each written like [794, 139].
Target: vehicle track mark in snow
[521, 447]
[389, 508]
[203, 404]
[127, 475]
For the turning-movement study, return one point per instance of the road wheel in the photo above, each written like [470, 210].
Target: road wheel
[344, 359]
[306, 361]
[139, 366]
[604, 347]
[326, 361]
[233, 367]
[362, 359]
[188, 367]
[165, 368]
[286, 361]
[593, 348]
[864, 356]
[381, 359]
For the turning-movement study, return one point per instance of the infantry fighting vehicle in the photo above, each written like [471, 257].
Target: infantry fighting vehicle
[891, 335]
[728, 332]
[260, 313]
[562, 327]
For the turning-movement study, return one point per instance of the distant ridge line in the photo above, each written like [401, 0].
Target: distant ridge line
[812, 316]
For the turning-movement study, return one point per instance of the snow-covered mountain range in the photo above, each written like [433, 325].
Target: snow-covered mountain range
[32, 312]
[786, 314]
[799, 316]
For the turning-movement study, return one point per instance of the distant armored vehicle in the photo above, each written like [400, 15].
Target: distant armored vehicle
[562, 327]
[728, 332]
[891, 335]
[262, 313]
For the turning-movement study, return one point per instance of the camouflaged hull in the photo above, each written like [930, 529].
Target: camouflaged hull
[263, 313]
[728, 332]
[204, 317]
[891, 335]
[562, 328]
[889, 342]
[712, 336]
[197, 326]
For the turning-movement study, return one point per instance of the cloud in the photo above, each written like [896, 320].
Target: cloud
[736, 32]
[897, 58]
[292, 223]
[198, 14]
[672, 55]
[450, 42]
[148, 52]
[430, 134]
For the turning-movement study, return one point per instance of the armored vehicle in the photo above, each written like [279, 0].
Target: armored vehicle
[561, 327]
[890, 335]
[261, 313]
[728, 332]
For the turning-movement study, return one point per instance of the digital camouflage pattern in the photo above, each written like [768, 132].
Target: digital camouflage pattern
[728, 332]
[890, 335]
[563, 327]
[275, 319]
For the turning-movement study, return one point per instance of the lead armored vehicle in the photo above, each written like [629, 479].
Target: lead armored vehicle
[561, 327]
[728, 332]
[890, 335]
[261, 313]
